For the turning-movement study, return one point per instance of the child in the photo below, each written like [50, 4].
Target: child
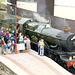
[25, 41]
[12, 46]
[2, 45]
[4, 48]
[9, 44]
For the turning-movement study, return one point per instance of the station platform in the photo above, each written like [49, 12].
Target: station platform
[30, 63]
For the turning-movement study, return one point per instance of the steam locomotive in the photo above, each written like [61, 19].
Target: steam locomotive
[59, 45]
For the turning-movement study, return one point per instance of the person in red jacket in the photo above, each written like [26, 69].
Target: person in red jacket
[12, 46]
[2, 45]
[25, 41]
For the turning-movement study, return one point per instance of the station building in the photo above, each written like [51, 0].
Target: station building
[60, 12]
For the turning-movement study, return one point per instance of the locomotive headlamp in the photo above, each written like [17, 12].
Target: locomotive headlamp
[70, 58]
[48, 26]
[73, 57]
[73, 65]
[73, 38]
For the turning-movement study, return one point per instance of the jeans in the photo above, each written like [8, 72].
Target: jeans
[41, 50]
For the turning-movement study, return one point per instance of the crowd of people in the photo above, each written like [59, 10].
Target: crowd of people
[8, 40]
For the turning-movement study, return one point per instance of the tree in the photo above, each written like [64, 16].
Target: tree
[1, 2]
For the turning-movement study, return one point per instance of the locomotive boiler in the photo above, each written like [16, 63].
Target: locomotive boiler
[59, 45]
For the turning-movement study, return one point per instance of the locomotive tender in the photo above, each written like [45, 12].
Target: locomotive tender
[59, 45]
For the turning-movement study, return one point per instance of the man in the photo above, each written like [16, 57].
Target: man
[28, 44]
[39, 47]
[41, 43]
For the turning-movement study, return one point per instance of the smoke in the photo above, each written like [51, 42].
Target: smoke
[65, 23]
[39, 18]
[59, 23]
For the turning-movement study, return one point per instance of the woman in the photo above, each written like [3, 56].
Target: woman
[28, 44]
[2, 45]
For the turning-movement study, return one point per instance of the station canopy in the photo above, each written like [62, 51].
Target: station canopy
[23, 20]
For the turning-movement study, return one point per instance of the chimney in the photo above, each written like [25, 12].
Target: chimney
[67, 29]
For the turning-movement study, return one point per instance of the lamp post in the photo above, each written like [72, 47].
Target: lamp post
[15, 29]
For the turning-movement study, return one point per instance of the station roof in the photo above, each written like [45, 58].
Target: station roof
[23, 20]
